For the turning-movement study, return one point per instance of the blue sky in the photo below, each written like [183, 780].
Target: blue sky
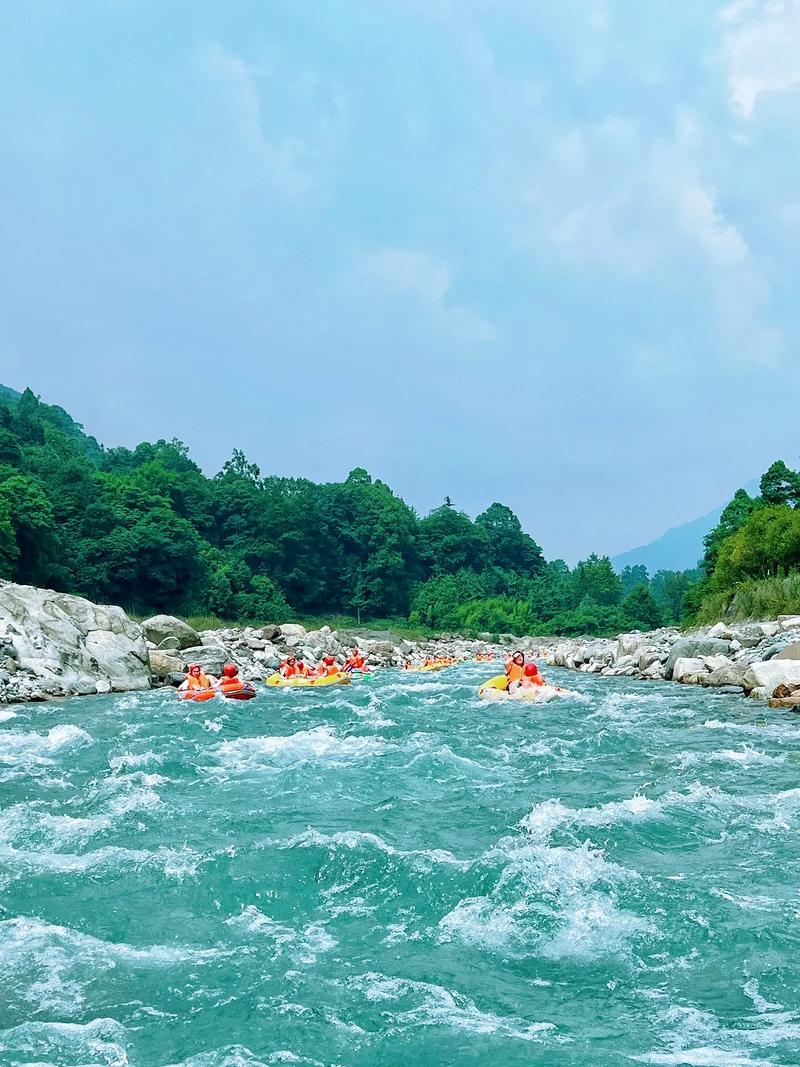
[538, 252]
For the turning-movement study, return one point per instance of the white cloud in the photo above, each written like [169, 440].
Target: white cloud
[258, 100]
[425, 279]
[761, 45]
[613, 195]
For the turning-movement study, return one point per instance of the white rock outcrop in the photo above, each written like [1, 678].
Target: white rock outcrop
[62, 644]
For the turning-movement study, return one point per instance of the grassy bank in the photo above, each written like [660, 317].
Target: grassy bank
[758, 599]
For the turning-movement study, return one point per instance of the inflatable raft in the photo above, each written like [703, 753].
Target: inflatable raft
[278, 682]
[198, 695]
[496, 689]
[239, 691]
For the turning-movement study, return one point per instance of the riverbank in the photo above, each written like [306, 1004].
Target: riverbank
[757, 659]
[54, 645]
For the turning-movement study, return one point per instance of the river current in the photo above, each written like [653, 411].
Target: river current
[399, 873]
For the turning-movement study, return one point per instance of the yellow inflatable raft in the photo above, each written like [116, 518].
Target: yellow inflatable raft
[430, 667]
[276, 680]
[496, 689]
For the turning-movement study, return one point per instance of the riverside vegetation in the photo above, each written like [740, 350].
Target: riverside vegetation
[145, 528]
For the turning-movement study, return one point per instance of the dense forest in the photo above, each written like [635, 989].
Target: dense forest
[147, 529]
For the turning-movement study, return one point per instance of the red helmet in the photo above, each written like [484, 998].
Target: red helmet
[531, 669]
[329, 661]
[230, 670]
[193, 667]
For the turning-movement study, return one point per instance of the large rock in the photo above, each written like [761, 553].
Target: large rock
[212, 658]
[791, 651]
[774, 672]
[789, 622]
[292, 629]
[692, 647]
[165, 631]
[164, 665]
[687, 668]
[730, 674]
[70, 644]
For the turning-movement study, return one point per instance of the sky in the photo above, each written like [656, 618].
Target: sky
[521, 250]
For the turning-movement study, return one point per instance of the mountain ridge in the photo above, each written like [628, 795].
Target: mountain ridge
[678, 549]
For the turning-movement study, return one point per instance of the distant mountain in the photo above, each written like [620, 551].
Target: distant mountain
[679, 549]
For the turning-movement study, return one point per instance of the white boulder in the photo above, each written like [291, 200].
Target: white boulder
[686, 667]
[68, 642]
[770, 673]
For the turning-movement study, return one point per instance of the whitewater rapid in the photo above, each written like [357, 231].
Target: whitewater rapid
[396, 873]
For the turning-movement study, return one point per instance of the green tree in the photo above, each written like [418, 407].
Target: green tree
[595, 578]
[509, 547]
[639, 610]
[733, 516]
[780, 485]
[633, 576]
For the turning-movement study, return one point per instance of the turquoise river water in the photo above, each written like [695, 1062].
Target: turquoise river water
[399, 873]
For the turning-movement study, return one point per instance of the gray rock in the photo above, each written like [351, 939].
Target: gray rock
[791, 651]
[212, 658]
[163, 664]
[64, 640]
[692, 647]
[165, 631]
[687, 667]
[293, 630]
[731, 690]
[731, 674]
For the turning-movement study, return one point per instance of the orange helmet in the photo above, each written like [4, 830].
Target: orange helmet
[230, 670]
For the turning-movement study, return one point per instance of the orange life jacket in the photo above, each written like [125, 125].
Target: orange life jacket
[515, 672]
[198, 681]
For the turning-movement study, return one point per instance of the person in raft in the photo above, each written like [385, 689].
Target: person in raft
[292, 667]
[515, 670]
[230, 680]
[326, 668]
[197, 679]
[531, 677]
[354, 662]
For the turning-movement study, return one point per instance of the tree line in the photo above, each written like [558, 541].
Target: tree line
[146, 528]
[751, 565]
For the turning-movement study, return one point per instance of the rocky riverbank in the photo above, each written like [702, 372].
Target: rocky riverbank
[258, 651]
[759, 659]
[53, 645]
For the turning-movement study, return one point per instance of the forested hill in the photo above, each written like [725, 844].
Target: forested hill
[146, 528]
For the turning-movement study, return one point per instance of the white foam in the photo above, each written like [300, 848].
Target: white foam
[6, 714]
[98, 1042]
[427, 1004]
[318, 745]
[304, 945]
[133, 761]
[353, 839]
[705, 1056]
[18, 747]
